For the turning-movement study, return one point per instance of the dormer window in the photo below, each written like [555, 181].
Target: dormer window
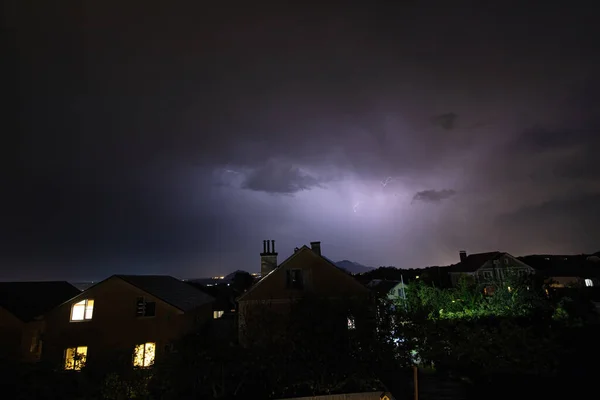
[82, 311]
[145, 308]
[295, 279]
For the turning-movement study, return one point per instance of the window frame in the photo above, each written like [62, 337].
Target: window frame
[86, 308]
[76, 364]
[290, 279]
[145, 307]
[144, 348]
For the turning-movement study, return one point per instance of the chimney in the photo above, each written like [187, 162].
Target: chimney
[316, 247]
[268, 258]
[463, 255]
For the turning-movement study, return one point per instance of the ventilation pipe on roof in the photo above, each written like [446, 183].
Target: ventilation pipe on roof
[316, 247]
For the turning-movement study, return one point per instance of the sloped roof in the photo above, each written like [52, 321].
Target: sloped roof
[290, 258]
[475, 261]
[170, 290]
[223, 295]
[381, 286]
[565, 266]
[27, 300]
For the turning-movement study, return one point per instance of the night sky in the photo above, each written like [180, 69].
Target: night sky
[153, 137]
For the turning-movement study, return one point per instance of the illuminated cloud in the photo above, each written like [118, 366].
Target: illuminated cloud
[382, 137]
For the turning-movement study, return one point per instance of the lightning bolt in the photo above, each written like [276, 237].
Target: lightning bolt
[231, 171]
[386, 181]
[355, 208]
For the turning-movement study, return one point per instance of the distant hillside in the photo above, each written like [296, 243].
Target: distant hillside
[353, 267]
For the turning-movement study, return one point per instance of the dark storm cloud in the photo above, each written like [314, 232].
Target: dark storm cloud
[571, 223]
[280, 178]
[446, 121]
[433, 196]
[109, 95]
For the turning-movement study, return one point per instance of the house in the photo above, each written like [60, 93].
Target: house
[377, 395]
[391, 290]
[126, 320]
[304, 276]
[21, 305]
[562, 271]
[488, 266]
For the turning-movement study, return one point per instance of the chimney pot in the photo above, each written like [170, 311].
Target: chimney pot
[463, 255]
[268, 258]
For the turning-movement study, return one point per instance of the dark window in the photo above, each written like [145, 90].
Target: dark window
[145, 308]
[295, 279]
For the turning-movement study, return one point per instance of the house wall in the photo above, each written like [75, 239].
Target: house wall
[565, 281]
[270, 298]
[33, 332]
[114, 329]
[393, 294]
[11, 330]
[494, 269]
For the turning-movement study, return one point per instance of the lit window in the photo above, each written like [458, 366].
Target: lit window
[82, 310]
[145, 308]
[351, 324]
[217, 314]
[589, 283]
[75, 357]
[143, 355]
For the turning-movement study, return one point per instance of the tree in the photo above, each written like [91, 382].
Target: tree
[242, 281]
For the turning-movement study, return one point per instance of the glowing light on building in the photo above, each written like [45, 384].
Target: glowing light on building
[75, 357]
[144, 354]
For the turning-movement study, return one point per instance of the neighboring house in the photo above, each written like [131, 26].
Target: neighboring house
[224, 302]
[494, 265]
[305, 274]
[391, 290]
[378, 395]
[567, 271]
[21, 305]
[126, 319]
